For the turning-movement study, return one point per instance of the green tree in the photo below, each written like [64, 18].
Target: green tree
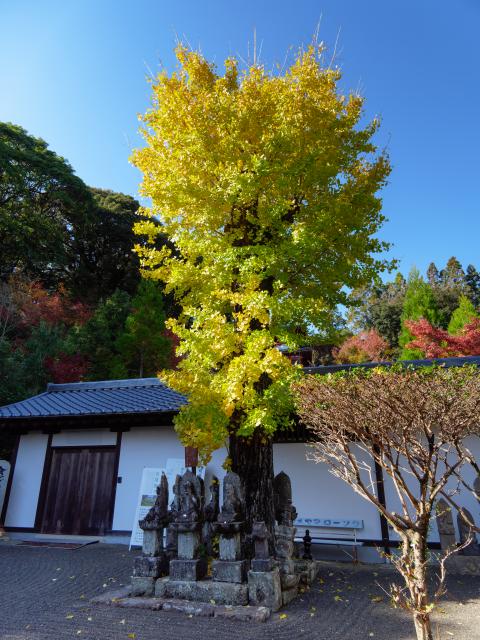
[143, 346]
[463, 314]
[97, 338]
[266, 186]
[472, 282]
[419, 303]
[380, 307]
[41, 200]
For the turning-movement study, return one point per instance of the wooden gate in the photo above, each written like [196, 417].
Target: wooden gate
[79, 491]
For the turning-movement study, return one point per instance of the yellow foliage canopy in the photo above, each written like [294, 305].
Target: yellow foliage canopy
[266, 186]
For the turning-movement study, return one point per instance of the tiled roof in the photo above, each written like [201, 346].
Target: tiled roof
[415, 364]
[136, 396]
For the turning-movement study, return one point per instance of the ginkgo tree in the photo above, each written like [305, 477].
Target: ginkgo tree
[265, 183]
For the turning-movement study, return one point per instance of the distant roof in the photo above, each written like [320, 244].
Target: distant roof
[416, 364]
[111, 397]
[139, 401]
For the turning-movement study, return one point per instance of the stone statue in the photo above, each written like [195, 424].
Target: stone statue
[213, 507]
[260, 536]
[233, 501]
[212, 510]
[285, 512]
[445, 526]
[190, 497]
[157, 516]
[465, 532]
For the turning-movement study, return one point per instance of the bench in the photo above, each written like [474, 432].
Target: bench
[340, 532]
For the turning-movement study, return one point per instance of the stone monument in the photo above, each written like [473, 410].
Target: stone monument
[231, 566]
[445, 526]
[285, 514]
[171, 542]
[465, 532]
[188, 523]
[153, 562]
[264, 587]
[212, 509]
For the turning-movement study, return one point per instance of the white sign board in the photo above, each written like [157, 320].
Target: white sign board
[148, 492]
[4, 473]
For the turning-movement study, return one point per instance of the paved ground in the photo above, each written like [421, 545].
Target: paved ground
[44, 594]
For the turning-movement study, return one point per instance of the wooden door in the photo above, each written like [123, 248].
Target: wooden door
[79, 491]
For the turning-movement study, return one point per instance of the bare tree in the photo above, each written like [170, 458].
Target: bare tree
[413, 423]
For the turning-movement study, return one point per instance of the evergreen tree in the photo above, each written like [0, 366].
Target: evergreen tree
[433, 275]
[463, 314]
[143, 346]
[97, 338]
[472, 281]
[419, 303]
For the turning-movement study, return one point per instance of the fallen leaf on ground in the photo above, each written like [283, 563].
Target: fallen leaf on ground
[283, 616]
[376, 599]
[69, 616]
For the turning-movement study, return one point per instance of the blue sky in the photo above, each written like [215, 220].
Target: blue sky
[74, 73]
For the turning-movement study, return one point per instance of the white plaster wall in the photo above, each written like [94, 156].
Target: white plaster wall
[27, 478]
[84, 438]
[464, 497]
[317, 493]
[148, 447]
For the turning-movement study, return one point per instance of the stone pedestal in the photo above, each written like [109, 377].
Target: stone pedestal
[188, 566]
[264, 589]
[229, 570]
[284, 550]
[204, 591]
[142, 586]
[147, 566]
[188, 570]
[307, 570]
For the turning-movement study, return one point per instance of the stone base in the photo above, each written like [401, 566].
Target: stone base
[264, 589]
[190, 570]
[229, 570]
[463, 565]
[142, 586]
[147, 567]
[289, 581]
[205, 591]
[289, 595]
[307, 570]
[260, 564]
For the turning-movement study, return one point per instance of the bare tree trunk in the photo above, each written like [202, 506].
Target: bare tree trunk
[418, 586]
[252, 459]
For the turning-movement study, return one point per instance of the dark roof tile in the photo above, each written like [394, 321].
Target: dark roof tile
[143, 395]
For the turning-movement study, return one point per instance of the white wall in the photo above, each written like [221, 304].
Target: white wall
[148, 447]
[317, 493]
[84, 438]
[27, 477]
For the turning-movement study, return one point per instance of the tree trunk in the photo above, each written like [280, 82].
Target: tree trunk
[423, 626]
[419, 586]
[252, 459]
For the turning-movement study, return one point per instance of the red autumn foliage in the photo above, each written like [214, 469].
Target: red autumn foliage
[66, 368]
[175, 341]
[367, 346]
[438, 343]
[36, 304]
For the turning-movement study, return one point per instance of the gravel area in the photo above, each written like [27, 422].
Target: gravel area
[45, 593]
